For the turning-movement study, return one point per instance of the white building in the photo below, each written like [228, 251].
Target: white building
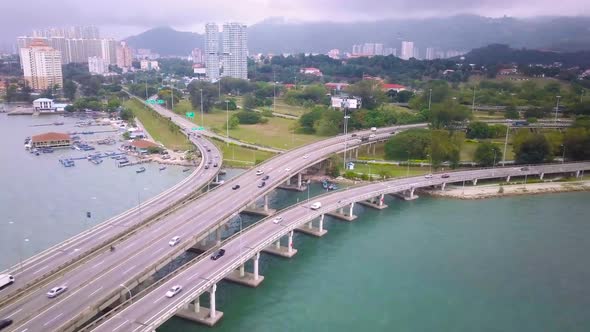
[368, 49]
[41, 66]
[97, 65]
[407, 50]
[430, 55]
[235, 51]
[149, 65]
[43, 104]
[124, 56]
[334, 53]
[212, 51]
[378, 49]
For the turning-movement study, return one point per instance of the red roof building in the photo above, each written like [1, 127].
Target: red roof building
[336, 86]
[51, 140]
[311, 71]
[393, 87]
[143, 144]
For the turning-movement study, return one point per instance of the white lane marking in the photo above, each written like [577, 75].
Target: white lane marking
[157, 251]
[192, 277]
[95, 292]
[129, 269]
[13, 313]
[158, 300]
[120, 325]
[97, 264]
[103, 236]
[25, 330]
[41, 269]
[52, 319]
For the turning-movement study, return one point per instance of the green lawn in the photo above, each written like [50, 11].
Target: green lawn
[277, 133]
[161, 129]
[377, 170]
[468, 150]
[238, 156]
[485, 115]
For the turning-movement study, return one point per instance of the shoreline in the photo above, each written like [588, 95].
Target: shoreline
[497, 190]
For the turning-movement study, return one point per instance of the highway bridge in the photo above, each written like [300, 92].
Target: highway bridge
[104, 278]
[153, 308]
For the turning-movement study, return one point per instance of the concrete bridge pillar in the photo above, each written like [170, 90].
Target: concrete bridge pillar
[381, 199]
[350, 209]
[442, 187]
[577, 174]
[309, 225]
[256, 258]
[266, 203]
[475, 182]
[299, 177]
[218, 236]
[242, 270]
[356, 153]
[290, 243]
[278, 244]
[412, 192]
[508, 178]
[197, 305]
[321, 225]
[341, 210]
[541, 176]
[217, 178]
[288, 181]
[212, 312]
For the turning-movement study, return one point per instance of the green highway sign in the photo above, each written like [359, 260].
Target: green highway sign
[190, 114]
[198, 128]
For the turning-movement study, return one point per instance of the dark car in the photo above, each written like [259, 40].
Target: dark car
[524, 169]
[266, 177]
[5, 323]
[444, 176]
[261, 184]
[216, 255]
[353, 135]
[215, 165]
[236, 187]
[206, 166]
[208, 150]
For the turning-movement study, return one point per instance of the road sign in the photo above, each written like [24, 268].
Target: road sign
[190, 115]
[198, 128]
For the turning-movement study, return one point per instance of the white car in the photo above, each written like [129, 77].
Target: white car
[259, 172]
[428, 176]
[173, 291]
[277, 220]
[287, 169]
[55, 291]
[174, 241]
[305, 157]
[316, 205]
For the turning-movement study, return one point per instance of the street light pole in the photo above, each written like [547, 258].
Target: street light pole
[130, 297]
[345, 106]
[563, 156]
[429, 99]
[227, 121]
[557, 108]
[505, 143]
[473, 103]
[202, 123]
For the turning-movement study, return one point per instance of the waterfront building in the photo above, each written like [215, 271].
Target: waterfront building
[212, 51]
[41, 66]
[235, 51]
[97, 65]
[407, 50]
[141, 145]
[51, 140]
[43, 104]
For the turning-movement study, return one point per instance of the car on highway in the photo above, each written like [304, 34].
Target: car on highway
[236, 187]
[208, 150]
[206, 166]
[261, 184]
[259, 172]
[445, 176]
[305, 156]
[55, 291]
[428, 176]
[215, 165]
[209, 162]
[316, 205]
[173, 291]
[287, 169]
[6, 280]
[353, 135]
[266, 177]
[5, 323]
[277, 220]
[524, 169]
[174, 241]
[218, 254]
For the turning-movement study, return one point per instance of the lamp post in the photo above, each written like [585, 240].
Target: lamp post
[429, 99]
[227, 121]
[274, 96]
[128, 290]
[430, 157]
[408, 165]
[473, 103]
[346, 117]
[557, 107]
[202, 122]
[563, 155]
[506, 142]
[495, 153]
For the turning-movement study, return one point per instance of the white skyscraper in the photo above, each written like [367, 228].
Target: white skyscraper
[430, 53]
[235, 51]
[97, 65]
[378, 49]
[41, 65]
[407, 50]
[212, 51]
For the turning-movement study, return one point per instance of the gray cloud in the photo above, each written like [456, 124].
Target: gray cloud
[119, 18]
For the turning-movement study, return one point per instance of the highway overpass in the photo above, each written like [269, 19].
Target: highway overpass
[152, 308]
[96, 282]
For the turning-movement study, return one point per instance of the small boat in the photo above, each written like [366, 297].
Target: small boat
[162, 168]
[186, 170]
[140, 170]
[325, 184]
[58, 123]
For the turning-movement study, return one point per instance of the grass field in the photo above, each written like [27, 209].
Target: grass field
[484, 115]
[277, 133]
[237, 156]
[161, 129]
[378, 170]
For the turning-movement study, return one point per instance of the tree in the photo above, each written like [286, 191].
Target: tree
[533, 149]
[210, 95]
[233, 122]
[126, 114]
[445, 146]
[113, 104]
[447, 112]
[370, 92]
[410, 144]
[308, 120]
[249, 102]
[329, 124]
[248, 117]
[70, 89]
[487, 154]
[511, 113]
[478, 130]
[577, 143]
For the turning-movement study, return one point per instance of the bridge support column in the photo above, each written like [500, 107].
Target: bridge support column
[406, 195]
[577, 174]
[242, 270]
[278, 244]
[288, 181]
[240, 276]
[217, 177]
[212, 311]
[197, 305]
[278, 250]
[218, 236]
[442, 187]
[541, 176]
[206, 316]
[508, 178]
[299, 178]
[356, 153]
[313, 231]
[375, 202]
[475, 182]
[265, 211]
[290, 242]
[265, 203]
[256, 258]
[340, 214]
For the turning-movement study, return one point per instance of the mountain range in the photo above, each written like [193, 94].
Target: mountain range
[462, 32]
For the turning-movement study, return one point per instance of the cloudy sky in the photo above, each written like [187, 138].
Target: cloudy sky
[120, 18]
